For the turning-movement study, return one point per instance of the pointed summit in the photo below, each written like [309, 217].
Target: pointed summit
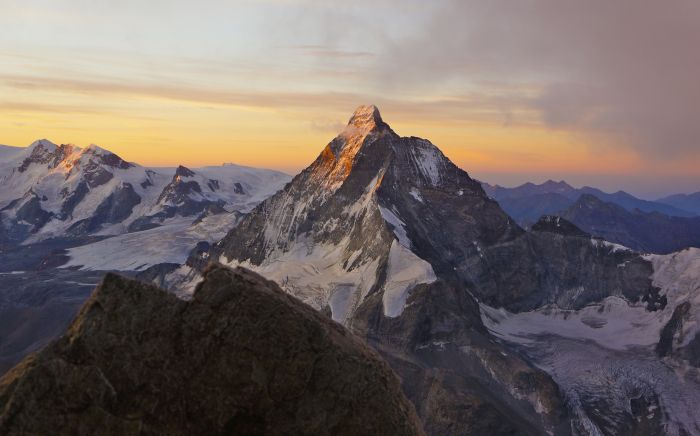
[366, 117]
[183, 171]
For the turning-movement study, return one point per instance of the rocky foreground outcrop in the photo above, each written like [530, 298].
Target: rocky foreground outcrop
[242, 357]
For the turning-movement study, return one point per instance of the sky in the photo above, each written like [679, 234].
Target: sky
[597, 93]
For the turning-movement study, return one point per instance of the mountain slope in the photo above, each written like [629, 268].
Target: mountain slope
[647, 232]
[241, 358]
[7, 151]
[622, 368]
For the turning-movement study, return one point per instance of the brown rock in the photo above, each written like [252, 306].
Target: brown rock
[242, 357]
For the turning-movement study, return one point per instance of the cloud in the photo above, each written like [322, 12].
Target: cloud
[474, 107]
[252, 99]
[326, 125]
[625, 67]
[325, 51]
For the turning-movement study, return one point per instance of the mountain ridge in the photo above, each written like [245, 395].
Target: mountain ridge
[642, 231]
[689, 202]
[52, 190]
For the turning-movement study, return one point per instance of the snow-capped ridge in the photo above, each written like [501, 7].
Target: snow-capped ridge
[54, 190]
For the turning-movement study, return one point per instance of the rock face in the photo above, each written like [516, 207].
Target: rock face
[574, 270]
[461, 380]
[242, 357]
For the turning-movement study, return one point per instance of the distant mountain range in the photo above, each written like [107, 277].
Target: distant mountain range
[689, 202]
[661, 226]
[527, 202]
[51, 191]
[648, 232]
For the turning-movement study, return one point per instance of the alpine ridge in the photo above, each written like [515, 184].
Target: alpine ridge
[63, 190]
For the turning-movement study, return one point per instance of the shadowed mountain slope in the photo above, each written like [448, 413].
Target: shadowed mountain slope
[242, 357]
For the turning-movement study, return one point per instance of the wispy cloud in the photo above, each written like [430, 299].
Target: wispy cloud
[324, 51]
[475, 106]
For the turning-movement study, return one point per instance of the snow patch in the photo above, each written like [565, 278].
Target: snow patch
[430, 162]
[405, 271]
[314, 273]
[399, 226]
[614, 323]
[603, 243]
[137, 251]
[415, 194]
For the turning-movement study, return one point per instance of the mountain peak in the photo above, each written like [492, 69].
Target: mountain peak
[44, 143]
[560, 186]
[183, 171]
[366, 117]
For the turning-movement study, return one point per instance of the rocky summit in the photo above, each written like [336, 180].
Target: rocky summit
[242, 357]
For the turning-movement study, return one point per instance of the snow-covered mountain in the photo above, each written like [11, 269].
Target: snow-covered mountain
[54, 190]
[387, 236]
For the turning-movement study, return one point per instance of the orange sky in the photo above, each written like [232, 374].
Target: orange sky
[269, 83]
